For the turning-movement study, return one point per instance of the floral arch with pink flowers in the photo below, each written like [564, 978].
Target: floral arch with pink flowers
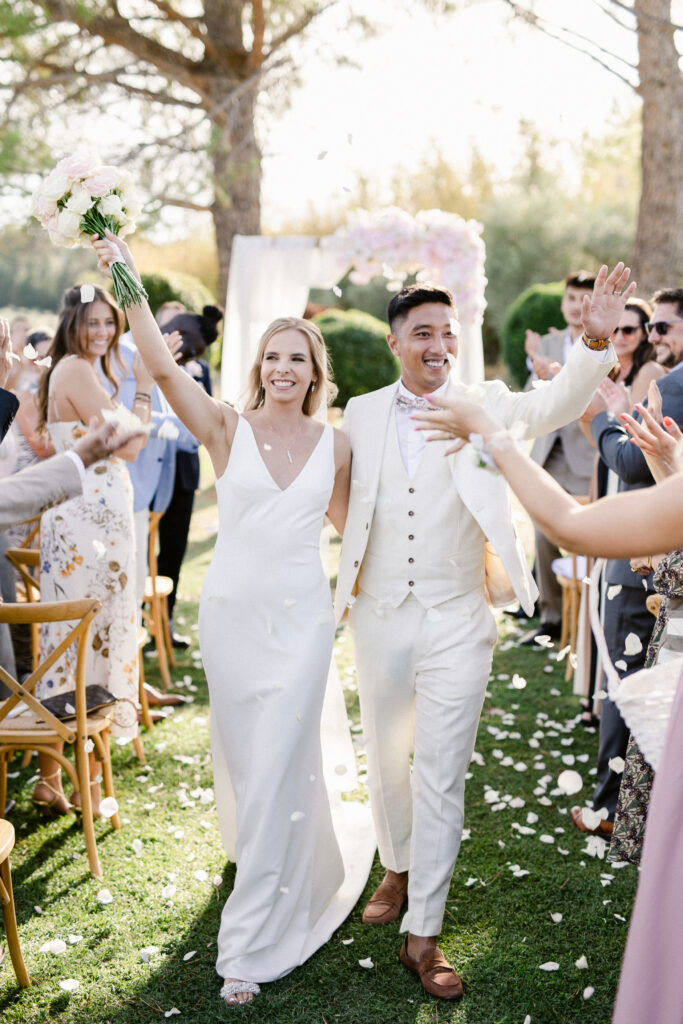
[272, 276]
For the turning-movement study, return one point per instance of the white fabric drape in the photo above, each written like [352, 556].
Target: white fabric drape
[271, 277]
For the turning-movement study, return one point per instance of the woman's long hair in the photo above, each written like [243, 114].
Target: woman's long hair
[645, 352]
[322, 369]
[70, 339]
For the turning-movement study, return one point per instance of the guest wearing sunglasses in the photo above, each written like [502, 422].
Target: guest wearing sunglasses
[627, 613]
[637, 357]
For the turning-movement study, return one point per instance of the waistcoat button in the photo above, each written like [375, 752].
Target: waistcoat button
[411, 536]
[411, 513]
[411, 560]
[411, 583]
[411, 490]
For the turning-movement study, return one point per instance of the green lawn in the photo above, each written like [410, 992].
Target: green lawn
[169, 886]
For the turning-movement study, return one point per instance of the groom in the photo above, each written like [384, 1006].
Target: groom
[428, 539]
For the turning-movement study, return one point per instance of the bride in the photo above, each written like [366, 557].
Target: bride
[266, 630]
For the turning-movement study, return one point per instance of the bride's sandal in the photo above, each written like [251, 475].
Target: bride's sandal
[233, 988]
[50, 801]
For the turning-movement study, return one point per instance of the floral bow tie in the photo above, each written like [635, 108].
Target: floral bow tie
[404, 402]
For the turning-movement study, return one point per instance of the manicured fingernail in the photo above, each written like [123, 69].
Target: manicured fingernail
[668, 421]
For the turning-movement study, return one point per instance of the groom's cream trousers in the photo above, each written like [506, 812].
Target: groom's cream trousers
[424, 675]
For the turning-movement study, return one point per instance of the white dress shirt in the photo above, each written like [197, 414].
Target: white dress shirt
[411, 442]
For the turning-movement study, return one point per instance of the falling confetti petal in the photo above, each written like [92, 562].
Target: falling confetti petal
[633, 644]
[613, 591]
[621, 665]
[69, 985]
[87, 293]
[99, 549]
[617, 764]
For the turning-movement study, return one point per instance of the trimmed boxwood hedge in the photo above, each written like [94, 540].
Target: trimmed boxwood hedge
[361, 358]
[536, 309]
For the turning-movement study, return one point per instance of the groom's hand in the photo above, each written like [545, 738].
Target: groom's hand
[601, 311]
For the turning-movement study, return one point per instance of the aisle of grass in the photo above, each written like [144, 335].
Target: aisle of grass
[152, 948]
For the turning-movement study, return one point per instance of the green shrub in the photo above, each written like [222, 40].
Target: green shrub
[361, 358]
[536, 309]
[173, 286]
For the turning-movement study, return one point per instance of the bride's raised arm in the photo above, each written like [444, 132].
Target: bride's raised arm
[212, 422]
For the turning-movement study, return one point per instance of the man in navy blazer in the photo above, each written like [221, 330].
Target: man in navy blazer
[627, 612]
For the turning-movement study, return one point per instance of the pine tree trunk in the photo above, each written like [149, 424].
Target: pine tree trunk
[237, 183]
[656, 261]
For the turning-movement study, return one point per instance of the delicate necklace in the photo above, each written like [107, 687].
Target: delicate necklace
[287, 447]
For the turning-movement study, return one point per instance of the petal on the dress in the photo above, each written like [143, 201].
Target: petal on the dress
[296, 816]
[289, 602]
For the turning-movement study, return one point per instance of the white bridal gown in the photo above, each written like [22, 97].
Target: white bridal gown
[266, 630]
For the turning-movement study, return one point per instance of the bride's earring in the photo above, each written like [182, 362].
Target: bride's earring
[313, 386]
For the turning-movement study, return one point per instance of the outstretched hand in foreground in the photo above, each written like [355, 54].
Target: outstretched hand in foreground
[102, 441]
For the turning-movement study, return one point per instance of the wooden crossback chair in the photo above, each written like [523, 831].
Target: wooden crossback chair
[23, 560]
[571, 586]
[7, 901]
[36, 728]
[155, 613]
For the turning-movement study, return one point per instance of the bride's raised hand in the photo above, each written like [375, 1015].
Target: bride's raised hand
[110, 249]
[453, 418]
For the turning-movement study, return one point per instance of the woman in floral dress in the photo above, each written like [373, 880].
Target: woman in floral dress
[87, 544]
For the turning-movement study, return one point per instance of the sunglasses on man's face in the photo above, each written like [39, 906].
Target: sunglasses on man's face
[626, 331]
[660, 326]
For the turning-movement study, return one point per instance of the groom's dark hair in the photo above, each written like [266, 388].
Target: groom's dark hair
[416, 295]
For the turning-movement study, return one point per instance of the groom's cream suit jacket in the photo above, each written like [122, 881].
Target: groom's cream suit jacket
[483, 491]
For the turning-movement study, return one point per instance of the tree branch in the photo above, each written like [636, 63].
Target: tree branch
[258, 23]
[614, 16]
[185, 204]
[298, 26]
[648, 17]
[551, 30]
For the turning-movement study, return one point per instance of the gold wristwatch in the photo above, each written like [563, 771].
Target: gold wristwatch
[595, 344]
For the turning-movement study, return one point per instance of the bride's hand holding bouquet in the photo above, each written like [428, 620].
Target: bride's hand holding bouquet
[83, 197]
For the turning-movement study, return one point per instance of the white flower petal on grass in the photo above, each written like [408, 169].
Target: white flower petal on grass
[545, 838]
[217, 880]
[75, 939]
[521, 873]
[617, 764]
[564, 652]
[296, 816]
[570, 782]
[104, 897]
[367, 963]
[588, 992]
[147, 952]
[55, 947]
[581, 963]
[188, 956]
[201, 876]
[346, 942]
[548, 668]
[527, 1019]
[471, 881]
[518, 682]
[69, 985]
[168, 892]
[543, 640]
[591, 818]
[595, 847]
[173, 1012]
[109, 807]
[556, 918]
[549, 965]
[531, 818]
[633, 644]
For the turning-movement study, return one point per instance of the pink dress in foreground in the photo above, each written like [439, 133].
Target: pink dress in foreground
[651, 983]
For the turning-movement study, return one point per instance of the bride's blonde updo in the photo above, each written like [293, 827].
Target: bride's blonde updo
[322, 369]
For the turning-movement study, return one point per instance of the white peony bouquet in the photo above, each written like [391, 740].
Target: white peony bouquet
[82, 197]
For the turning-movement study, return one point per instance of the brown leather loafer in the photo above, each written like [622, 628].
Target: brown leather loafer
[436, 975]
[605, 828]
[386, 903]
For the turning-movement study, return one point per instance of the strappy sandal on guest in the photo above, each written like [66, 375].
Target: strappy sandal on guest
[241, 988]
[57, 804]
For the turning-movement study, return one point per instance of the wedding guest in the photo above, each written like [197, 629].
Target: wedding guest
[565, 453]
[266, 631]
[87, 544]
[197, 333]
[629, 614]
[637, 523]
[417, 564]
